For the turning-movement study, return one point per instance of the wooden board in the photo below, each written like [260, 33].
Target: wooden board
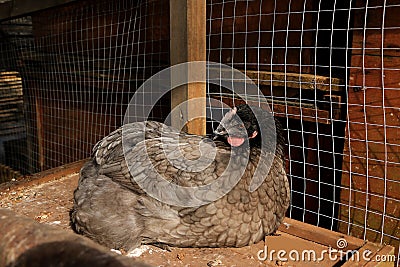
[296, 80]
[370, 179]
[284, 111]
[188, 44]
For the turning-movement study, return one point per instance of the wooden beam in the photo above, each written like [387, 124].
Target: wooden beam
[281, 110]
[296, 80]
[385, 257]
[39, 131]
[188, 43]
[324, 236]
[369, 250]
[45, 176]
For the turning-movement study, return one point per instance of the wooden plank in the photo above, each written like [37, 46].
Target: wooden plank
[40, 131]
[13, 100]
[188, 43]
[296, 80]
[281, 110]
[385, 257]
[289, 243]
[324, 236]
[369, 249]
[291, 80]
[46, 176]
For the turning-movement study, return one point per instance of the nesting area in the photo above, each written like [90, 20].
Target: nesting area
[47, 199]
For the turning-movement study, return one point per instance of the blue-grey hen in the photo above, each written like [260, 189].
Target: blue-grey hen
[112, 209]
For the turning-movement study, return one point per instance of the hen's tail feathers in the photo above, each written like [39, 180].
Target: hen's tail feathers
[88, 170]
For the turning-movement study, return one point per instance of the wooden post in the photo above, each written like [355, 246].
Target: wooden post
[188, 43]
[40, 132]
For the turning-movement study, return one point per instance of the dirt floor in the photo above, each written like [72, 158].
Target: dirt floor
[50, 201]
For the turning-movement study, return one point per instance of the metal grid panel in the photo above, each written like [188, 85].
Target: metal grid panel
[15, 38]
[324, 67]
[79, 70]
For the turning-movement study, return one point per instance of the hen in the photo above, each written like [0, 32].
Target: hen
[111, 208]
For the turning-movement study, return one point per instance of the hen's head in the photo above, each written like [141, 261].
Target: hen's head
[237, 126]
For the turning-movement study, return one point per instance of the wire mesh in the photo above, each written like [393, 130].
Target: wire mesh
[15, 37]
[328, 69]
[80, 66]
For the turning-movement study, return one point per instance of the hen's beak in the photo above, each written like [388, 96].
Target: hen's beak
[218, 132]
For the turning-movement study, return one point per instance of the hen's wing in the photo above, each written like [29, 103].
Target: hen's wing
[109, 149]
[108, 153]
[158, 151]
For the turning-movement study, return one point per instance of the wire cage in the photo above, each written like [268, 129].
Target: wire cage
[328, 69]
[80, 66]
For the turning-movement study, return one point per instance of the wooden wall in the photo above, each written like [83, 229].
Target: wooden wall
[239, 24]
[371, 170]
[89, 59]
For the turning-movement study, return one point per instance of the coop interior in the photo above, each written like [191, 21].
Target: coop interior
[328, 70]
